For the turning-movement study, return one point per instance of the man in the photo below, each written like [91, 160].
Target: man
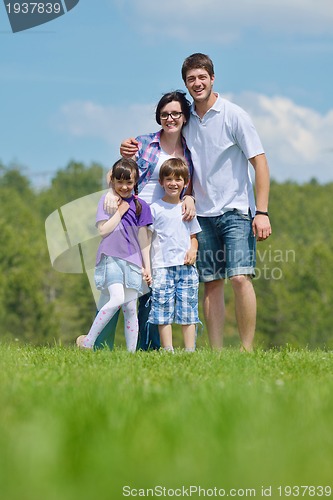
[222, 140]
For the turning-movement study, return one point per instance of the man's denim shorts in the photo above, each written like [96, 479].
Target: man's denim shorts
[227, 246]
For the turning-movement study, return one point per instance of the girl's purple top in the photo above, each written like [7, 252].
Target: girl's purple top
[123, 241]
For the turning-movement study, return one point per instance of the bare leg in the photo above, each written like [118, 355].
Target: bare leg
[214, 311]
[189, 337]
[246, 309]
[166, 336]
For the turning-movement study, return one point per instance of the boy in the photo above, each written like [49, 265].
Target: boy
[173, 255]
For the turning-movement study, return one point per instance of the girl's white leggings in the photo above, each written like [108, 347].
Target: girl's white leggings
[119, 297]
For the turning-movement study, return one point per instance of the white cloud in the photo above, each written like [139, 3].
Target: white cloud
[86, 119]
[297, 140]
[214, 20]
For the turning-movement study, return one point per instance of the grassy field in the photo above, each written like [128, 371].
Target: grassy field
[107, 425]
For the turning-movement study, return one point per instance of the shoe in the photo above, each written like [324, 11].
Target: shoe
[79, 342]
[168, 348]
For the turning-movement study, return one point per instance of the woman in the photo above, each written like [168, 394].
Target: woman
[172, 113]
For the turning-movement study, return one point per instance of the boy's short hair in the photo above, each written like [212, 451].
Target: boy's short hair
[197, 61]
[176, 167]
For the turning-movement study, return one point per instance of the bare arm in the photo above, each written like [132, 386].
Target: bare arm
[191, 254]
[144, 237]
[105, 227]
[188, 205]
[261, 224]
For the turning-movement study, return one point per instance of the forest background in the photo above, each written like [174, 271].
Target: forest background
[41, 306]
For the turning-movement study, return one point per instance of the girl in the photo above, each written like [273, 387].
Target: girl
[123, 255]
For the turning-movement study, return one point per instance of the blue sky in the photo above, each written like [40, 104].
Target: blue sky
[74, 87]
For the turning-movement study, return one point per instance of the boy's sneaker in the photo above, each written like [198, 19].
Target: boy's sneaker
[168, 348]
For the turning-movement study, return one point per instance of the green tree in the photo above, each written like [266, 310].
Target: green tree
[25, 311]
[294, 266]
[73, 182]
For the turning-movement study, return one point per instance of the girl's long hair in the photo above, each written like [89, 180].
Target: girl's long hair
[122, 170]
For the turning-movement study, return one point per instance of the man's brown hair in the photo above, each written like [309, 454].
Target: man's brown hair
[197, 61]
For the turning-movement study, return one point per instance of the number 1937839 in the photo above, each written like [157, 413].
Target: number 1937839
[33, 8]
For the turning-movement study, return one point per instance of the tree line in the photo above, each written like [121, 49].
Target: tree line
[293, 276]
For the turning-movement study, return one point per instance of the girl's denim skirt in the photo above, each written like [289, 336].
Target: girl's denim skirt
[112, 270]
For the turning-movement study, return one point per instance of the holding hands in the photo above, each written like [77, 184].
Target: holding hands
[111, 202]
[123, 207]
[147, 276]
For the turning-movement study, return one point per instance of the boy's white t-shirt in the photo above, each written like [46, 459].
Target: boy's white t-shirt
[171, 235]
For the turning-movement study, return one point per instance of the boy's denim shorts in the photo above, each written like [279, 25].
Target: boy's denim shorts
[175, 296]
[227, 246]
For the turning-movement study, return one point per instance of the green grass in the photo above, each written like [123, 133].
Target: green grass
[81, 425]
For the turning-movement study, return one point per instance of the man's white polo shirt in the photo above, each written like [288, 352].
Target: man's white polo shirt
[221, 144]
